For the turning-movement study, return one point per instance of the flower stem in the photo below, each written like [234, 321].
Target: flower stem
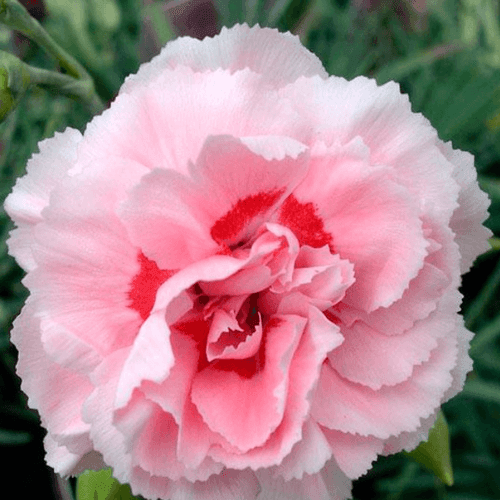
[76, 82]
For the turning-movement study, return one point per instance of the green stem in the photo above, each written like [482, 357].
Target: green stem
[69, 86]
[14, 15]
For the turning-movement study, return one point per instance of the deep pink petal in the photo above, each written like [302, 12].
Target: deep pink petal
[219, 395]
[319, 337]
[305, 222]
[242, 199]
[152, 341]
[227, 340]
[145, 284]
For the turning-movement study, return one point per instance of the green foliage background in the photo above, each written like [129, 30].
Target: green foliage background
[447, 58]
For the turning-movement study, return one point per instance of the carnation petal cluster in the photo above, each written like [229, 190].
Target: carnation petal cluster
[243, 276]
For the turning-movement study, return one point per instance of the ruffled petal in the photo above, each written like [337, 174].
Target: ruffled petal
[65, 348]
[467, 220]
[155, 448]
[85, 260]
[374, 359]
[219, 394]
[177, 220]
[60, 410]
[330, 484]
[308, 456]
[166, 123]
[227, 485]
[353, 453]
[196, 439]
[31, 193]
[150, 358]
[227, 340]
[373, 222]
[464, 362]
[268, 263]
[172, 394]
[66, 463]
[419, 300]
[321, 275]
[339, 111]
[59, 457]
[320, 336]
[242, 199]
[391, 409]
[153, 339]
[99, 411]
[409, 440]
[159, 220]
[279, 57]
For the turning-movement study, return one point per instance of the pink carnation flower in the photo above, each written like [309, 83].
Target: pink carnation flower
[244, 275]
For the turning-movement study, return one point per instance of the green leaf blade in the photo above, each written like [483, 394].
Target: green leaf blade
[101, 485]
[434, 454]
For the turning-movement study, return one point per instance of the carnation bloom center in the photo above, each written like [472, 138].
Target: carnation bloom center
[286, 256]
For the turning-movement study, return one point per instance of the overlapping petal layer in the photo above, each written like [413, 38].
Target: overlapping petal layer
[244, 276]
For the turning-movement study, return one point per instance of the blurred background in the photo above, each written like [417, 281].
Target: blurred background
[446, 56]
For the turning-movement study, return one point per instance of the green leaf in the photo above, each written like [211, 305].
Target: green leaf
[13, 438]
[74, 13]
[106, 14]
[101, 485]
[434, 454]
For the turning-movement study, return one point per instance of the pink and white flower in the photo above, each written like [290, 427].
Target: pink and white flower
[244, 275]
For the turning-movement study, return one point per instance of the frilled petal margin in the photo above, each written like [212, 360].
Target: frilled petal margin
[280, 57]
[391, 409]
